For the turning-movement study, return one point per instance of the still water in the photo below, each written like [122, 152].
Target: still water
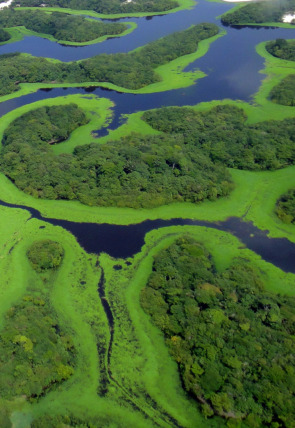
[232, 67]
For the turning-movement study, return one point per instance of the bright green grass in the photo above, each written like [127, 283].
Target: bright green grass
[183, 4]
[78, 309]
[171, 74]
[140, 347]
[17, 34]
[97, 111]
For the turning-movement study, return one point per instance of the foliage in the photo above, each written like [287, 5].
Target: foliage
[285, 208]
[4, 35]
[131, 70]
[34, 354]
[135, 171]
[281, 48]
[284, 92]
[232, 340]
[259, 12]
[222, 134]
[60, 25]
[44, 255]
[106, 6]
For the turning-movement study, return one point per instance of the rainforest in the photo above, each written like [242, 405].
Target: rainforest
[147, 205]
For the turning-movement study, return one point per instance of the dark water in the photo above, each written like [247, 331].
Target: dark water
[125, 241]
[232, 67]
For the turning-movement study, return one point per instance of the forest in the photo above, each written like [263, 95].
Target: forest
[135, 171]
[222, 134]
[259, 12]
[35, 353]
[4, 36]
[281, 48]
[131, 70]
[105, 6]
[59, 25]
[285, 208]
[186, 163]
[232, 340]
[284, 92]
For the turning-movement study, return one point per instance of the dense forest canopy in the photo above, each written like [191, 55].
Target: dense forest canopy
[233, 341]
[259, 12]
[284, 92]
[59, 25]
[281, 48]
[135, 171]
[223, 135]
[105, 6]
[131, 70]
[186, 163]
[285, 208]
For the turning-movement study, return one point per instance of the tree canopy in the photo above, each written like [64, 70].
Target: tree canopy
[285, 208]
[284, 92]
[45, 255]
[59, 25]
[259, 12]
[106, 6]
[132, 70]
[281, 48]
[232, 340]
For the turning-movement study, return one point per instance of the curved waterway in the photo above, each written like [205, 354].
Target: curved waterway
[231, 64]
[232, 67]
[125, 241]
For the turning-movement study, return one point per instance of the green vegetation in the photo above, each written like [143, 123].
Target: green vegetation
[4, 36]
[44, 255]
[258, 12]
[224, 137]
[284, 92]
[285, 208]
[108, 6]
[231, 339]
[133, 70]
[135, 171]
[281, 48]
[60, 26]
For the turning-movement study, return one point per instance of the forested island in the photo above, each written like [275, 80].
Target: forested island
[132, 70]
[186, 163]
[233, 341]
[259, 12]
[59, 25]
[106, 6]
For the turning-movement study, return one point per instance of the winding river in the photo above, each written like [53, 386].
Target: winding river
[237, 78]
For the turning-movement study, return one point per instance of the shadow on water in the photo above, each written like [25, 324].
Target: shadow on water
[125, 241]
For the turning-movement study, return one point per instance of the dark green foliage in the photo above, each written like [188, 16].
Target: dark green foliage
[284, 92]
[44, 255]
[106, 6]
[281, 48]
[59, 25]
[34, 353]
[132, 70]
[4, 35]
[222, 134]
[233, 341]
[259, 12]
[135, 171]
[285, 208]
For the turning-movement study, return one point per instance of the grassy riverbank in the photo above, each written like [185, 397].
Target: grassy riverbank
[183, 5]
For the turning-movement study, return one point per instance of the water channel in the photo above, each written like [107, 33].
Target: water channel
[232, 67]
